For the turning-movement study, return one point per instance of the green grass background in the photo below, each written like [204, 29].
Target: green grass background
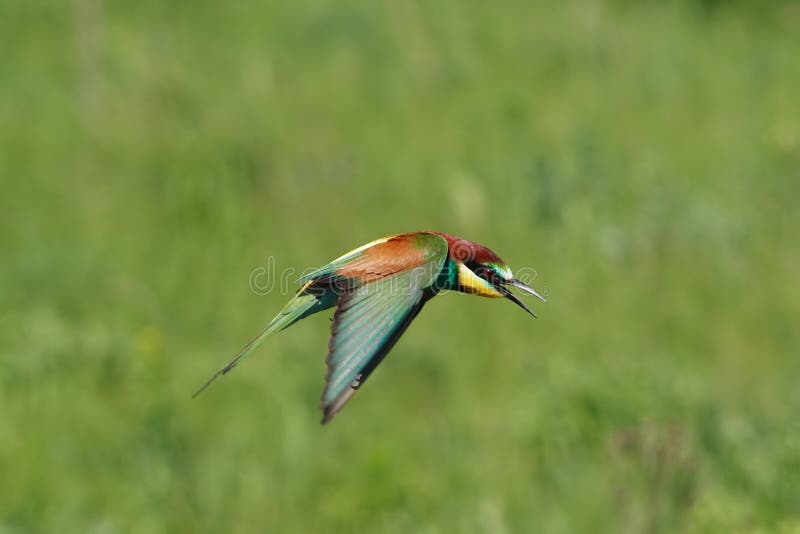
[642, 157]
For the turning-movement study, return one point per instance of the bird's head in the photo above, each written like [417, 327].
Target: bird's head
[480, 271]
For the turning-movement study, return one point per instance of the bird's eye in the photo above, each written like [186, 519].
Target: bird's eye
[485, 272]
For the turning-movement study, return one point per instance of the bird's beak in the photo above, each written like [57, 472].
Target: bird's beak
[513, 298]
[526, 288]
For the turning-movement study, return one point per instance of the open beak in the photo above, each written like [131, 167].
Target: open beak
[513, 298]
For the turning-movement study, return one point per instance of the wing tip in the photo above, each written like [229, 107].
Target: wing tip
[330, 409]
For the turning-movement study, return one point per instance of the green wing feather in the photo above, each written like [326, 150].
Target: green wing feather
[368, 321]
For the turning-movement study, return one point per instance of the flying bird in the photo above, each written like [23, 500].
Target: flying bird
[377, 290]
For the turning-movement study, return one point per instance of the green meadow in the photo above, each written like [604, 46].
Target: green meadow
[640, 161]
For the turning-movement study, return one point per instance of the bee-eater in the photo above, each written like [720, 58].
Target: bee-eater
[378, 289]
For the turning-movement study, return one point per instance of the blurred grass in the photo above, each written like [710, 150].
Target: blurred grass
[644, 158]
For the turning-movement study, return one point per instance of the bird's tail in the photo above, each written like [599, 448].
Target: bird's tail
[306, 302]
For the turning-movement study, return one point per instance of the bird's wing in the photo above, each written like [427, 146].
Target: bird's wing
[382, 257]
[369, 319]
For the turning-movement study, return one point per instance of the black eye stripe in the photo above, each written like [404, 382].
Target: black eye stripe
[484, 271]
